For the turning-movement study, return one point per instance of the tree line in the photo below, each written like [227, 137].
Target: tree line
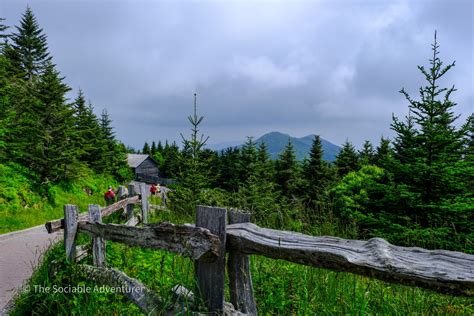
[416, 188]
[40, 128]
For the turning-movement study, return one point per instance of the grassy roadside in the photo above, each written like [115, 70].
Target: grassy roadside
[281, 288]
[22, 206]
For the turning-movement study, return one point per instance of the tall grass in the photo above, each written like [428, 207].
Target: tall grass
[281, 288]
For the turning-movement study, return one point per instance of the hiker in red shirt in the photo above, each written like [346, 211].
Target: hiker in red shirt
[109, 196]
[153, 189]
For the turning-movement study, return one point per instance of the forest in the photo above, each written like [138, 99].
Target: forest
[416, 189]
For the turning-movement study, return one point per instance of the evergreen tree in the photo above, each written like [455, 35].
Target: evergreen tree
[469, 152]
[285, 170]
[346, 160]
[315, 172]
[193, 175]
[171, 161]
[383, 154]
[106, 126]
[248, 160]
[367, 154]
[265, 167]
[146, 149]
[229, 165]
[153, 149]
[94, 148]
[29, 51]
[160, 148]
[428, 144]
[3, 35]
[47, 130]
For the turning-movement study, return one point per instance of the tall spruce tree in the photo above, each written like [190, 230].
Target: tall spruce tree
[347, 159]
[193, 175]
[265, 166]
[146, 149]
[248, 160]
[90, 139]
[367, 154]
[469, 152]
[383, 154]
[153, 149]
[315, 171]
[3, 35]
[285, 170]
[229, 165]
[29, 51]
[159, 147]
[428, 144]
[49, 130]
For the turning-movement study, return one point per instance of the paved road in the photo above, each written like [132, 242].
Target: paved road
[20, 253]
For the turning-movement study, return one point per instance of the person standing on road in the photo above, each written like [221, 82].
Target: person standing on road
[109, 196]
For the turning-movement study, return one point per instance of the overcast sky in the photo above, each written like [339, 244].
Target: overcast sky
[332, 68]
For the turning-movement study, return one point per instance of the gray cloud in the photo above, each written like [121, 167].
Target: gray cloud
[329, 67]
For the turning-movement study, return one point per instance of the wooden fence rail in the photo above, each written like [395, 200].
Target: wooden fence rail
[444, 271]
[56, 225]
[208, 241]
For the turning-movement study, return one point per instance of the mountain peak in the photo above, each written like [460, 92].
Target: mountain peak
[277, 141]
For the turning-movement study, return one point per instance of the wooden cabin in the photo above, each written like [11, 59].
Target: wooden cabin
[143, 165]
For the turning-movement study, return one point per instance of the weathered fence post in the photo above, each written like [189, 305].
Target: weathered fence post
[144, 195]
[131, 192]
[121, 193]
[238, 267]
[98, 243]
[210, 275]
[70, 230]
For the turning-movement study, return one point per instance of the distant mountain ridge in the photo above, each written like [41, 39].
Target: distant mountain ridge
[276, 143]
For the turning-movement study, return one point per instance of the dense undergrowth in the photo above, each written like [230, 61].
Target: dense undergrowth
[281, 288]
[25, 203]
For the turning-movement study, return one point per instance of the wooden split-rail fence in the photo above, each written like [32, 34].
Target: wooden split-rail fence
[218, 232]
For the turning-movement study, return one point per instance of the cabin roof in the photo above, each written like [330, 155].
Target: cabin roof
[134, 160]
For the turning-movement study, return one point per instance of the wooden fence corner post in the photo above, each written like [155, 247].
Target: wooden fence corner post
[143, 193]
[70, 230]
[131, 193]
[211, 275]
[121, 193]
[238, 268]
[98, 243]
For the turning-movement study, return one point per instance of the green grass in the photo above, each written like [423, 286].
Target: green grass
[21, 206]
[281, 288]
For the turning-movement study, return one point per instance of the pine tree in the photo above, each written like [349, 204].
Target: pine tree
[383, 154]
[47, 130]
[3, 35]
[29, 51]
[229, 165]
[248, 160]
[106, 126]
[93, 147]
[469, 152]
[285, 170]
[265, 166]
[160, 148]
[428, 144]
[153, 149]
[171, 161]
[367, 154]
[315, 172]
[194, 175]
[146, 149]
[346, 160]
